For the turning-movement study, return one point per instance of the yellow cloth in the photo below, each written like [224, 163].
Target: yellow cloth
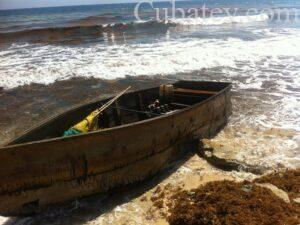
[90, 123]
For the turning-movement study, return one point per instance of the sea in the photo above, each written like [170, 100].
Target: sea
[55, 58]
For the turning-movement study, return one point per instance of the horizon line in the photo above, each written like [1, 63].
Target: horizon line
[112, 3]
[57, 6]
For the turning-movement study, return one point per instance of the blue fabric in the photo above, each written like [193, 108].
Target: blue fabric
[71, 132]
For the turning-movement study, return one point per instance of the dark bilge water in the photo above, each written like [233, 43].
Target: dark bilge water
[54, 58]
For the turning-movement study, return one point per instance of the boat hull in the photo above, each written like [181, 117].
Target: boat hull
[38, 174]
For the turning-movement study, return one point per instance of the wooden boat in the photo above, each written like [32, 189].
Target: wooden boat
[41, 168]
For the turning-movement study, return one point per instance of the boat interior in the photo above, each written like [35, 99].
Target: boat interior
[129, 108]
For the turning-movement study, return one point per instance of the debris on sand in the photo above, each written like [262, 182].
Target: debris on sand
[230, 203]
[158, 197]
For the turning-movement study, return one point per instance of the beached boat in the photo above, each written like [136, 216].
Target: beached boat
[42, 168]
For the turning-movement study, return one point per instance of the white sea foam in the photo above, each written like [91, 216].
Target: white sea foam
[220, 20]
[205, 21]
[46, 64]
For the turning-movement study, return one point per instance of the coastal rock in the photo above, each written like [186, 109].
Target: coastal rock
[297, 200]
[276, 191]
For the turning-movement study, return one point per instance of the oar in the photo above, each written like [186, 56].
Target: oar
[107, 104]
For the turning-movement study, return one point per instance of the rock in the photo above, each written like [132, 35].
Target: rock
[208, 154]
[1, 91]
[278, 192]
[297, 200]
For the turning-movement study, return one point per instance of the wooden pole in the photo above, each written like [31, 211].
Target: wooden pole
[107, 104]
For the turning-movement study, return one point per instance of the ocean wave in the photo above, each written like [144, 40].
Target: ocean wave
[166, 57]
[75, 33]
[221, 20]
[82, 33]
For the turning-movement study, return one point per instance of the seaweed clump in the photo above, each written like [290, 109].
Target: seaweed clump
[230, 203]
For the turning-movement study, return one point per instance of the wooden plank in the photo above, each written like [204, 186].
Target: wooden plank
[182, 90]
[118, 111]
[179, 105]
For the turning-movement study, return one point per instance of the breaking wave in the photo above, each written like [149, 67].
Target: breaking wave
[221, 20]
[165, 57]
[84, 33]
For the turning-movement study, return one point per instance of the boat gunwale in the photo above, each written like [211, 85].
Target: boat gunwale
[7, 147]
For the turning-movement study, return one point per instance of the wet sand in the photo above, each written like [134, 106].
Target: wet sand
[26, 106]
